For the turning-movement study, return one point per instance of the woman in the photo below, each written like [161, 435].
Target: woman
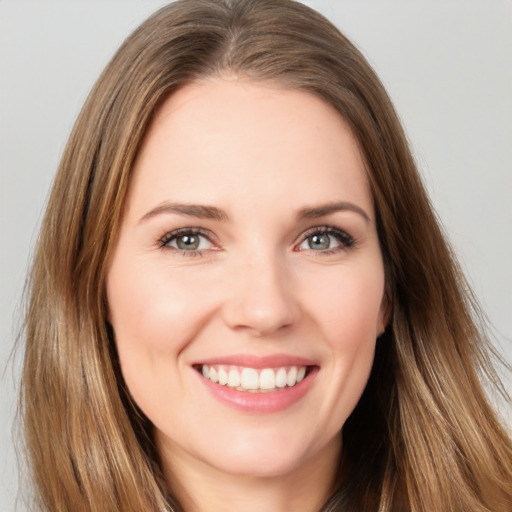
[241, 298]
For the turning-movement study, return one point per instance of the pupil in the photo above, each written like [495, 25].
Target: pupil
[319, 242]
[188, 242]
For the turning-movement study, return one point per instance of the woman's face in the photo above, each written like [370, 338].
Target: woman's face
[246, 290]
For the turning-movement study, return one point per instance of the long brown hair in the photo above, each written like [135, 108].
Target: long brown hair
[423, 436]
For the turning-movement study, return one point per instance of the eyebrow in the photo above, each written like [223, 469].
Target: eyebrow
[190, 210]
[213, 213]
[322, 210]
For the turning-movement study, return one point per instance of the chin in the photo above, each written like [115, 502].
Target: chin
[261, 465]
[280, 455]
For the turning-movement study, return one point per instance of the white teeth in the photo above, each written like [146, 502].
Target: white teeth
[291, 379]
[281, 378]
[233, 379]
[267, 379]
[223, 376]
[250, 379]
[213, 375]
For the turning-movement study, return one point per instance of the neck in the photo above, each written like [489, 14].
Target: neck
[202, 488]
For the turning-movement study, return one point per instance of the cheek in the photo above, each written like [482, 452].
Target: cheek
[348, 305]
[348, 311]
[153, 321]
[151, 312]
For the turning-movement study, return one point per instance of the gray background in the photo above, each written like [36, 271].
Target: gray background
[447, 66]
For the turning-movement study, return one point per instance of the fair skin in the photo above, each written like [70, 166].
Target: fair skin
[280, 274]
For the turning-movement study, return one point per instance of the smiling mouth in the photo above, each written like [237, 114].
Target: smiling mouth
[254, 380]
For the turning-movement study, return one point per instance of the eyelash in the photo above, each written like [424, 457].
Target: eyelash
[164, 242]
[345, 240]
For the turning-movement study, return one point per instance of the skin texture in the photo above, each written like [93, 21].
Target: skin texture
[254, 285]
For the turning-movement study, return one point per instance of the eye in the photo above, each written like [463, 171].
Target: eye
[325, 239]
[187, 240]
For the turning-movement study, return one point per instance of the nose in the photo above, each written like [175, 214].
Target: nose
[261, 298]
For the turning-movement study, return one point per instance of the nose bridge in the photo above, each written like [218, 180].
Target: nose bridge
[261, 297]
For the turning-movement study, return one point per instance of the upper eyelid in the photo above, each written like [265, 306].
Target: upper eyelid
[325, 229]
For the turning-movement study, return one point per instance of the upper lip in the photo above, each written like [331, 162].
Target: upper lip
[258, 362]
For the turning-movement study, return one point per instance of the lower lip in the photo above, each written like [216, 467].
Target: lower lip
[254, 402]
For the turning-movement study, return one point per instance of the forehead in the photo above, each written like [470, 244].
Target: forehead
[213, 140]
